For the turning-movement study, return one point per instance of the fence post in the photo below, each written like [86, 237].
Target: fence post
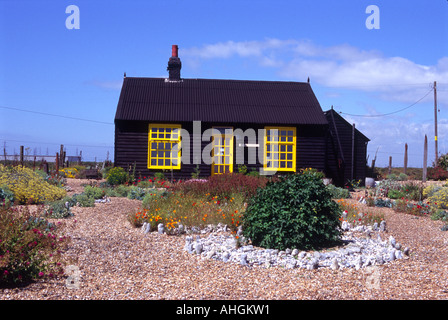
[405, 158]
[425, 159]
[390, 164]
[21, 155]
[57, 164]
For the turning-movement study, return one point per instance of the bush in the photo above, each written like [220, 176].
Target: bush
[59, 209]
[437, 173]
[30, 247]
[122, 190]
[117, 176]
[395, 194]
[295, 212]
[83, 200]
[27, 186]
[69, 172]
[439, 199]
[430, 190]
[338, 193]
[136, 193]
[94, 192]
[6, 197]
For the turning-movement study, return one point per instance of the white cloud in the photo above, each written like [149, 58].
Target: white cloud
[339, 66]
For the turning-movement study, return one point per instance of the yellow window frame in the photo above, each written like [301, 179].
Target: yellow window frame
[164, 146]
[280, 151]
[222, 151]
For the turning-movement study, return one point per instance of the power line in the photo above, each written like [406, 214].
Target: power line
[390, 113]
[53, 143]
[55, 115]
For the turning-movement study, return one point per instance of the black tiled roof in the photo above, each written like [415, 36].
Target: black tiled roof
[220, 101]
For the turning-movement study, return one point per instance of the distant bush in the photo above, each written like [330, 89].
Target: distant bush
[69, 172]
[437, 173]
[337, 192]
[94, 192]
[117, 176]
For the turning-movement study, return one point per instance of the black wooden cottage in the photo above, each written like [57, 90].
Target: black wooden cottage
[179, 125]
[346, 150]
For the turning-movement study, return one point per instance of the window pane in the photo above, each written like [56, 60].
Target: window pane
[282, 148]
[153, 162]
[160, 162]
[289, 164]
[289, 148]
[160, 146]
[153, 154]
[289, 156]
[160, 154]
[167, 162]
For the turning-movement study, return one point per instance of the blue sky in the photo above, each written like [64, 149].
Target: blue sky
[77, 73]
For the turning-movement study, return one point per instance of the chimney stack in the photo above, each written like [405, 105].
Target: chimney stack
[174, 64]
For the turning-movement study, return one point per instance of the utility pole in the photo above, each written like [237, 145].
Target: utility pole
[435, 123]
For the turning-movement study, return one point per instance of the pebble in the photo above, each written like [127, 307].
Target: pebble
[359, 252]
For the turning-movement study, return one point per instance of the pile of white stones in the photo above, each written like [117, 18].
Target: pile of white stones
[362, 247]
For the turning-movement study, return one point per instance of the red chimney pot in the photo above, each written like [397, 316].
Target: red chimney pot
[174, 50]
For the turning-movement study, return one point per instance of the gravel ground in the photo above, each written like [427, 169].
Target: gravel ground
[117, 261]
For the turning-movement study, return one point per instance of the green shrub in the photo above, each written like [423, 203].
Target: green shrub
[6, 197]
[94, 192]
[136, 193]
[117, 176]
[83, 200]
[395, 194]
[59, 209]
[295, 212]
[122, 190]
[337, 192]
[30, 247]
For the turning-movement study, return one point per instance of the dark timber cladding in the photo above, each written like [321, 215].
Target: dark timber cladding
[240, 104]
[343, 146]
